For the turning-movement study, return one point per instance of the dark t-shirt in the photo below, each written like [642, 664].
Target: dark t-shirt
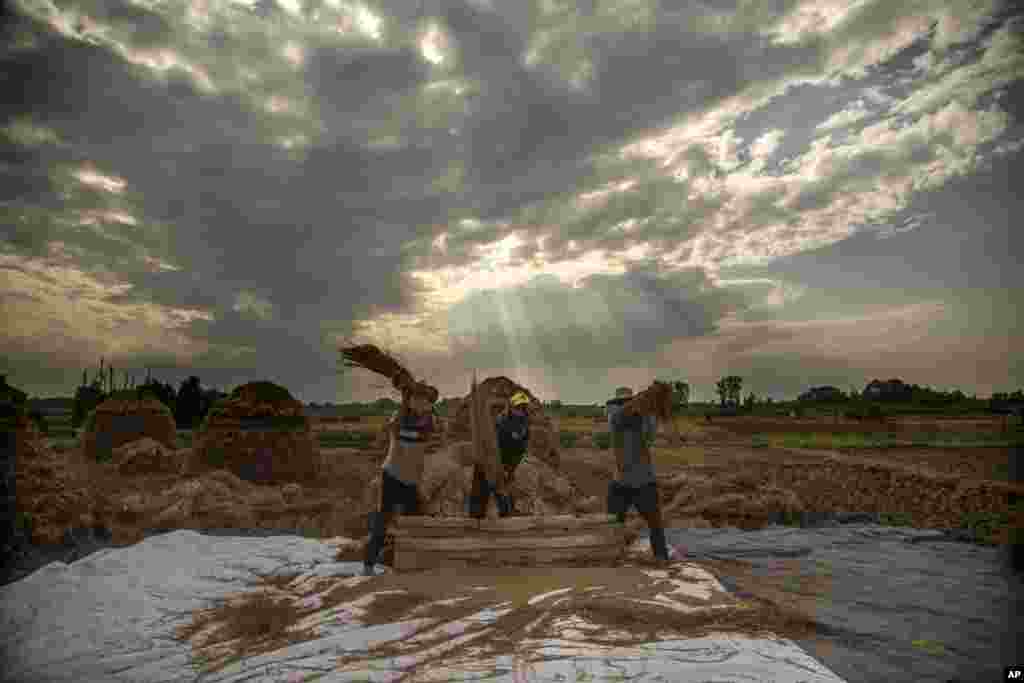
[630, 435]
[513, 437]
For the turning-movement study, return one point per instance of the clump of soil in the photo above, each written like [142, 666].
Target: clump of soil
[261, 433]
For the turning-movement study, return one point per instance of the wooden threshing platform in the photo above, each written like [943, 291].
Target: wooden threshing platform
[432, 542]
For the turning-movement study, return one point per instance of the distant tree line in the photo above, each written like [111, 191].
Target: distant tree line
[189, 404]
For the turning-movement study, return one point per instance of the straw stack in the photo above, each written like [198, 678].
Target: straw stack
[372, 358]
[485, 440]
[654, 400]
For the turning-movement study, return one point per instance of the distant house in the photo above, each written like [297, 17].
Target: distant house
[826, 393]
[890, 390]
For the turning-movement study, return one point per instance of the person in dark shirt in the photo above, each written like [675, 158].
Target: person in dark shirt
[513, 432]
[634, 482]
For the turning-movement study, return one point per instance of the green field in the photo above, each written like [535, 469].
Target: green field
[875, 441]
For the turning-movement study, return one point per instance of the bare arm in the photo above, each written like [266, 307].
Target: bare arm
[614, 424]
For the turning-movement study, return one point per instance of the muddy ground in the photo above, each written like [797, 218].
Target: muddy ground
[713, 480]
[717, 479]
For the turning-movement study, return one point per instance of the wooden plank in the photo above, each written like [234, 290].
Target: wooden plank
[508, 525]
[433, 532]
[434, 527]
[474, 543]
[504, 524]
[570, 522]
[595, 518]
[414, 559]
[461, 532]
[415, 522]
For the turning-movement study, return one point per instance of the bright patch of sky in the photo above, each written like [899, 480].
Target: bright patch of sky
[89, 176]
[434, 45]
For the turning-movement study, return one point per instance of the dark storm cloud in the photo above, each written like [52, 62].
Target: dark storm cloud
[144, 27]
[973, 245]
[88, 93]
[243, 215]
[284, 247]
[223, 181]
[347, 80]
[533, 137]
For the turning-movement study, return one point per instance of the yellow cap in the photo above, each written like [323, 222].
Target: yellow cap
[520, 399]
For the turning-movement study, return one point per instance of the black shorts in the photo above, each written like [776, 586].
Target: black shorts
[396, 493]
[622, 497]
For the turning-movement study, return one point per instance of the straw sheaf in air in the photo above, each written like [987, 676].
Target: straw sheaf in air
[370, 357]
[654, 400]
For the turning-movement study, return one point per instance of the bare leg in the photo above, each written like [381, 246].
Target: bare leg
[651, 510]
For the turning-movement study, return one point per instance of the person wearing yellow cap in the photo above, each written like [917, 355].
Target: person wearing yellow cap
[513, 431]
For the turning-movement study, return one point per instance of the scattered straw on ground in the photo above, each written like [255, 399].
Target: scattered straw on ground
[612, 606]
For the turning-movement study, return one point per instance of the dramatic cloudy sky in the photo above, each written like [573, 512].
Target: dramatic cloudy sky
[577, 194]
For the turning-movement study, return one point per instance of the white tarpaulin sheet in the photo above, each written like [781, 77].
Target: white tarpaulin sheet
[111, 617]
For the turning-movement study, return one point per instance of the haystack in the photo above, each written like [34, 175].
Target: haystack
[40, 497]
[125, 417]
[543, 436]
[147, 456]
[16, 432]
[261, 433]
[51, 497]
[536, 489]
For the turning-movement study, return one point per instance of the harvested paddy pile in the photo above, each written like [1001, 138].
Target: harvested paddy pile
[261, 433]
[218, 500]
[751, 489]
[147, 456]
[143, 488]
[543, 433]
[51, 496]
[538, 488]
[743, 499]
[126, 416]
[923, 499]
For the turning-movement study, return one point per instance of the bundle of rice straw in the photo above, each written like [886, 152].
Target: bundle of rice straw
[654, 400]
[485, 439]
[369, 357]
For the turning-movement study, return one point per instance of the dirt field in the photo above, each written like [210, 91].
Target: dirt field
[716, 478]
[748, 425]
